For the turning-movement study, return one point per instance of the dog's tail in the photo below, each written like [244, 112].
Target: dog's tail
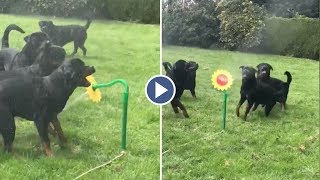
[289, 77]
[5, 37]
[88, 23]
[167, 66]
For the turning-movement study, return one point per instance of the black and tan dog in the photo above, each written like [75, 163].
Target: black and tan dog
[39, 99]
[61, 35]
[190, 81]
[36, 44]
[46, 64]
[282, 87]
[255, 92]
[183, 75]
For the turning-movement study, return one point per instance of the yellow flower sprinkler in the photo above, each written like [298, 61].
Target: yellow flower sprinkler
[222, 80]
[94, 95]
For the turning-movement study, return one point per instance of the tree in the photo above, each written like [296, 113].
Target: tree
[241, 24]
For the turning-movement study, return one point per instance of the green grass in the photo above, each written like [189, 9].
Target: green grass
[117, 50]
[284, 145]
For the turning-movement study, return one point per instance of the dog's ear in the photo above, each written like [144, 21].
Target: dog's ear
[174, 67]
[241, 67]
[270, 67]
[192, 66]
[27, 38]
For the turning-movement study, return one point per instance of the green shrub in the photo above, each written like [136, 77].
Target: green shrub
[145, 11]
[291, 8]
[298, 37]
[241, 24]
[195, 24]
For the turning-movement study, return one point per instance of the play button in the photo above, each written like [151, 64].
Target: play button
[160, 90]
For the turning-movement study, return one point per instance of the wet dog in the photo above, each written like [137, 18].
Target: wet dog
[179, 73]
[45, 64]
[190, 81]
[39, 99]
[283, 87]
[61, 35]
[255, 92]
[10, 58]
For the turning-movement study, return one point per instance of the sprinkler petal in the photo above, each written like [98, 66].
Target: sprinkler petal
[94, 95]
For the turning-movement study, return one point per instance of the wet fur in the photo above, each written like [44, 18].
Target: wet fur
[62, 35]
[39, 99]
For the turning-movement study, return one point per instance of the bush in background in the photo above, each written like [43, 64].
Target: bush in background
[192, 23]
[298, 37]
[144, 11]
[291, 8]
[241, 24]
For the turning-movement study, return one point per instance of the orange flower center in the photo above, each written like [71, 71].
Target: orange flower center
[222, 79]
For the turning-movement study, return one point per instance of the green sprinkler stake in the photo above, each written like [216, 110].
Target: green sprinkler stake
[95, 96]
[222, 80]
[125, 97]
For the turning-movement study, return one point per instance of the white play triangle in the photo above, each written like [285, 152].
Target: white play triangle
[159, 90]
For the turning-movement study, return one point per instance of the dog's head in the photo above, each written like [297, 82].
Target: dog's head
[264, 70]
[75, 71]
[191, 67]
[180, 65]
[248, 73]
[45, 26]
[38, 42]
[36, 38]
[51, 60]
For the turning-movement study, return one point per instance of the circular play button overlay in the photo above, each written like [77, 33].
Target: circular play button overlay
[160, 90]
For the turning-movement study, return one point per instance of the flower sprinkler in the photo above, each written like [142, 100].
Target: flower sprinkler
[222, 80]
[95, 95]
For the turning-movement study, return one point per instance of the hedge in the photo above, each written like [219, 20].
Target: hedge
[298, 37]
[144, 11]
[193, 25]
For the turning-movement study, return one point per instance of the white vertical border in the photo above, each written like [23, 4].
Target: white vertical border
[160, 65]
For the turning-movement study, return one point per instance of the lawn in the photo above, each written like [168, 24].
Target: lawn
[117, 50]
[284, 145]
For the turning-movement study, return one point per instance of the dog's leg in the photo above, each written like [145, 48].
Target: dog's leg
[174, 107]
[7, 129]
[75, 50]
[268, 108]
[183, 109]
[241, 101]
[249, 106]
[42, 127]
[58, 129]
[84, 50]
[193, 93]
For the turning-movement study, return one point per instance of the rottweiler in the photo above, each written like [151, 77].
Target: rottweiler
[283, 87]
[178, 75]
[62, 35]
[36, 43]
[190, 81]
[255, 92]
[39, 99]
